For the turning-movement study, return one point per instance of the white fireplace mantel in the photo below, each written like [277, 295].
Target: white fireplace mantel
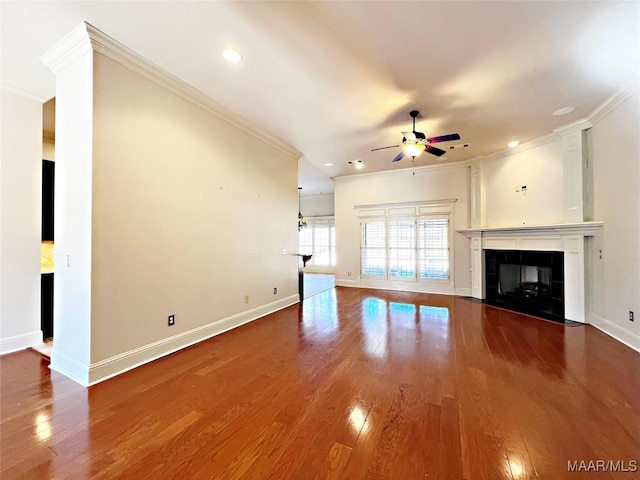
[568, 238]
[587, 229]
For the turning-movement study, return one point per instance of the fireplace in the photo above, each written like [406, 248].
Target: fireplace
[527, 281]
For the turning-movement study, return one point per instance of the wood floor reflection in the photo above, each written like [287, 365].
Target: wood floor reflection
[353, 384]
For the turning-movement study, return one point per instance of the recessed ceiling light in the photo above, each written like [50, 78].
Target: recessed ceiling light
[563, 111]
[513, 143]
[357, 163]
[328, 164]
[231, 55]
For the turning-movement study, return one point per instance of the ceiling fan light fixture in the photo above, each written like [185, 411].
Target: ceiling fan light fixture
[414, 149]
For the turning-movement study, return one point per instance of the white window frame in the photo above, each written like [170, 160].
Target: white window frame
[410, 211]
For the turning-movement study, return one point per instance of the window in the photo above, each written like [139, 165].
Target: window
[318, 239]
[402, 248]
[407, 248]
[373, 248]
[433, 247]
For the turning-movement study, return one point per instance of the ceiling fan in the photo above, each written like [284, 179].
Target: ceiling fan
[414, 143]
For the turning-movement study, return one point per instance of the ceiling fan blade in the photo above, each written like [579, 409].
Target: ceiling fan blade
[444, 138]
[434, 150]
[399, 157]
[383, 148]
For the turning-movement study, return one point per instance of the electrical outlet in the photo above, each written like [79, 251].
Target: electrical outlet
[631, 315]
[275, 290]
[246, 299]
[171, 320]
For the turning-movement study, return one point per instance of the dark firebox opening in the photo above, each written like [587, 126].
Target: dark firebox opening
[526, 281]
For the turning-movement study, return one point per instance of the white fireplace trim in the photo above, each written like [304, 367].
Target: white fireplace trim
[568, 238]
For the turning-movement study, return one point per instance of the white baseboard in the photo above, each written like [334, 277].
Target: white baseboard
[110, 367]
[69, 367]
[20, 342]
[462, 291]
[417, 287]
[630, 339]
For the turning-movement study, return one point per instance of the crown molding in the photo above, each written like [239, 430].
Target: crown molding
[615, 100]
[22, 92]
[86, 38]
[439, 166]
[573, 127]
[117, 52]
[509, 152]
[73, 45]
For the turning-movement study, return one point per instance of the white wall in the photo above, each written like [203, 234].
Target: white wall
[187, 218]
[541, 170]
[428, 184]
[20, 221]
[317, 206]
[615, 285]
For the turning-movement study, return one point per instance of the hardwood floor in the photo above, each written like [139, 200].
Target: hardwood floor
[354, 384]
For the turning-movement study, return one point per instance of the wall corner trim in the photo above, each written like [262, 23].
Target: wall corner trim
[110, 367]
[71, 47]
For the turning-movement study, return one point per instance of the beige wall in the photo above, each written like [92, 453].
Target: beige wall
[615, 286]
[190, 214]
[20, 221]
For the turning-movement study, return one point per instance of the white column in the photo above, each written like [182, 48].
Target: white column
[72, 62]
[477, 267]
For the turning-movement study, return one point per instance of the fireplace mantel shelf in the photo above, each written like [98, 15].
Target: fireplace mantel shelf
[586, 229]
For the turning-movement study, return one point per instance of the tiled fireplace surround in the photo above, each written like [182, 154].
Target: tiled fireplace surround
[570, 237]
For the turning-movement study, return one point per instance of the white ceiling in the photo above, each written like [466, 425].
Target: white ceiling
[336, 79]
